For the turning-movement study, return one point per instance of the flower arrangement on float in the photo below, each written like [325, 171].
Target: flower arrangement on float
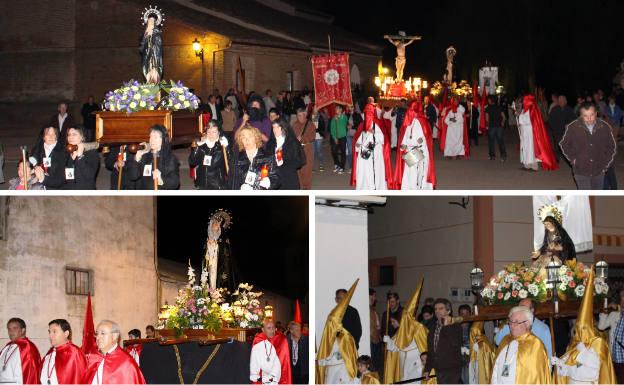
[517, 281]
[135, 97]
[200, 307]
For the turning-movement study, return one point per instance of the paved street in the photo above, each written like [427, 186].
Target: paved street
[477, 173]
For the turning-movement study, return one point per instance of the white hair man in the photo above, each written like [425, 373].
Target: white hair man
[112, 365]
[521, 357]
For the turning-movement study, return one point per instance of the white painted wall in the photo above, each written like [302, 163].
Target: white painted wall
[430, 238]
[113, 236]
[341, 258]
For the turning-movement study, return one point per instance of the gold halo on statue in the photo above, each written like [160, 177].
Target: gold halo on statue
[223, 216]
[160, 15]
[550, 211]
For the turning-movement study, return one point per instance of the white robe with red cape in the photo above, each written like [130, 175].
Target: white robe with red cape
[374, 173]
[270, 360]
[415, 132]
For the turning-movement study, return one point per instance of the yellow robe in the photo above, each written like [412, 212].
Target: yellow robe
[485, 356]
[601, 347]
[532, 365]
[370, 378]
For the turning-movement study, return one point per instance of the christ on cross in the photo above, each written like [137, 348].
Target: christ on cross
[401, 41]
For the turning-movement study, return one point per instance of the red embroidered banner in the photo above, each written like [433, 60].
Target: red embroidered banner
[332, 82]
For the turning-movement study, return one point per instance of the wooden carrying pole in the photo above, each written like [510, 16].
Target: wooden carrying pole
[122, 151]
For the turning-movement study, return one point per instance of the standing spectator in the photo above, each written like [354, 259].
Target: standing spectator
[444, 346]
[577, 107]
[589, 146]
[375, 330]
[399, 112]
[279, 103]
[63, 121]
[351, 320]
[88, 118]
[495, 120]
[431, 112]
[464, 311]
[319, 120]
[611, 318]
[298, 347]
[396, 312]
[215, 109]
[306, 134]
[474, 124]
[554, 102]
[218, 98]
[229, 120]
[560, 117]
[233, 99]
[298, 102]
[600, 104]
[338, 138]
[268, 100]
[614, 116]
[427, 317]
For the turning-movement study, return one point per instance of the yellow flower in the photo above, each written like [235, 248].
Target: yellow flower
[187, 104]
[137, 96]
[177, 106]
[133, 105]
[181, 98]
[142, 104]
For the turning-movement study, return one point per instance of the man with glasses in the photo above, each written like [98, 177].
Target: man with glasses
[111, 365]
[521, 357]
[539, 328]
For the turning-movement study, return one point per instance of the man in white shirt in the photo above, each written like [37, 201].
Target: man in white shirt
[19, 359]
[610, 317]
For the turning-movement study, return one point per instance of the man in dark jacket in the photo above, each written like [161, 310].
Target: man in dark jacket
[351, 319]
[444, 346]
[298, 348]
[62, 121]
[589, 146]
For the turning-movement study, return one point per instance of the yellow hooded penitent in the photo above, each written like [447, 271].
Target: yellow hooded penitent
[485, 355]
[409, 330]
[333, 332]
[532, 365]
[585, 332]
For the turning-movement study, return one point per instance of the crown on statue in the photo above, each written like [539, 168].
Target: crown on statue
[153, 11]
[223, 216]
[549, 211]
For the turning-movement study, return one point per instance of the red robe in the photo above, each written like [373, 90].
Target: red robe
[386, 151]
[136, 347]
[119, 368]
[541, 142]
[400, 163]
[70, 364]
[31, 360]
[443, 129]
[280, 344]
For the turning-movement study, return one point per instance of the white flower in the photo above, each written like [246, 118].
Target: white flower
[579, 290]
[177, 106]
[507, 296]
[134, 88]
[142, 104]
[243, 324]
[187, 104]
[523, 294]
[517, 285]
[137, 96]
[533, 289]
[181, 98]
[563, 286]
[563, 269]
[255, 317]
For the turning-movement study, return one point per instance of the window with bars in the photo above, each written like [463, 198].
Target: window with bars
[78, 281]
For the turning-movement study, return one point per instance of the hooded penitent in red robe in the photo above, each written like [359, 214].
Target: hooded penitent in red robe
[453, 107]
[31, 360]
[69, 363]
[415, 111]
[370, 117]
[280, 344]
[119, 368]
[541, 142]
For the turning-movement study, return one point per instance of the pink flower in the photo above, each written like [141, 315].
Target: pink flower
[500, 295]
[569, 273]
[514, 293]
[572, 284]
[526, 284]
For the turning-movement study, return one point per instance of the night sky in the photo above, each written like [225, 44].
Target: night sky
[574, 46]
[269, 237]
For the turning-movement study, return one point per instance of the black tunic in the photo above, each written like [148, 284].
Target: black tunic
[55, 176]
[292, 157]
[211, 177]
[109, 161]
[85, 171]
[169, 167]
[240, 165]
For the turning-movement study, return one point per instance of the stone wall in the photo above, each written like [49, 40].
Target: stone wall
[111, 236]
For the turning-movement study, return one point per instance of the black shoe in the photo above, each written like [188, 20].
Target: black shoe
[492, 157]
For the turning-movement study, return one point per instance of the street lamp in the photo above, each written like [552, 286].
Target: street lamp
[602, 273]
[553, 279]
[199, 51]
[476, 283]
